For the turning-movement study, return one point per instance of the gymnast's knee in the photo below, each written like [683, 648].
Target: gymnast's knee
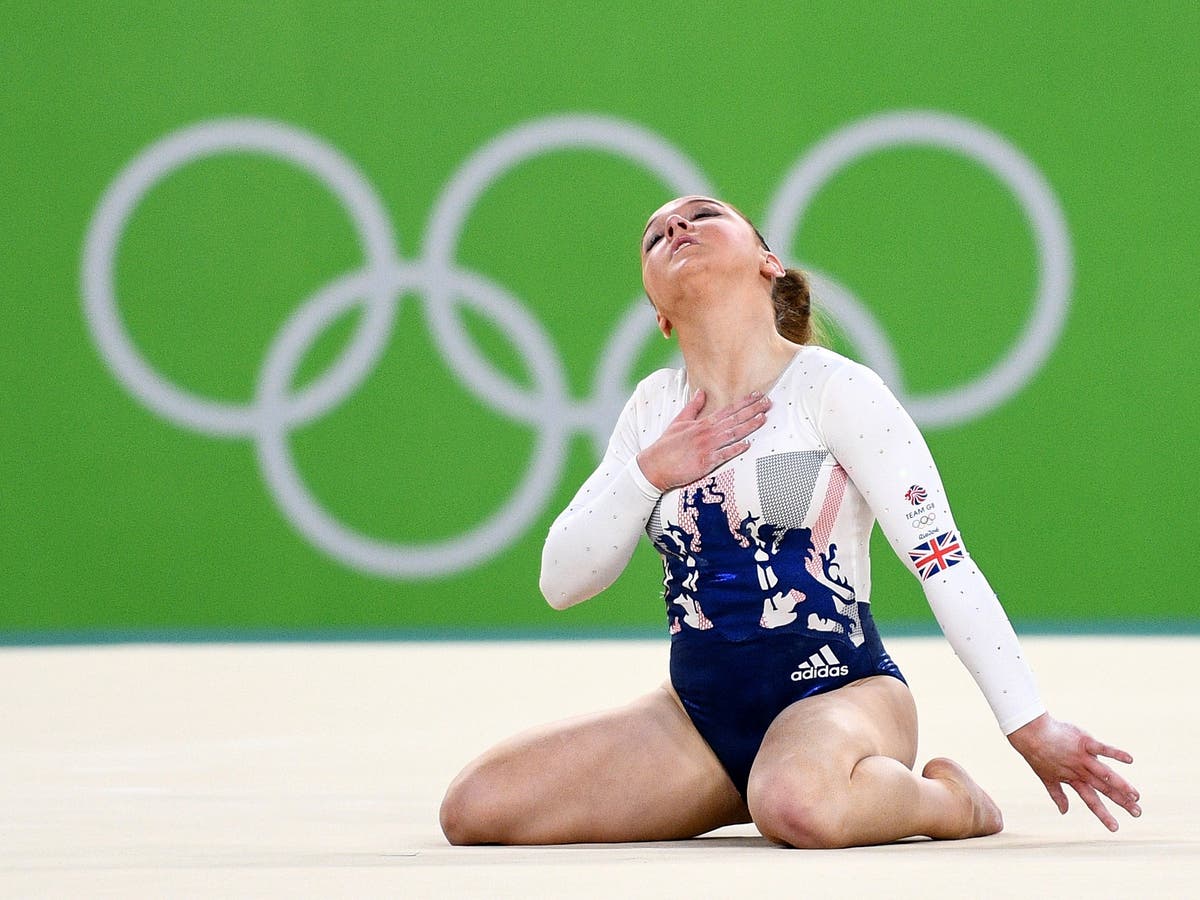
[472, 811]
[789, 815]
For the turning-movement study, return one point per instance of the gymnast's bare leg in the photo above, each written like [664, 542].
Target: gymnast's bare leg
[637, 773]
[835, 770]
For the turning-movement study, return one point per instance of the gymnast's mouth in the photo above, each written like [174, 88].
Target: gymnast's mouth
[682, 241]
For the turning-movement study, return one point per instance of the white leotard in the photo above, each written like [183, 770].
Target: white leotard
[837, 453]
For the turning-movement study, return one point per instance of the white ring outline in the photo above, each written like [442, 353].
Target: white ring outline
[158, 161]
[1052, 296]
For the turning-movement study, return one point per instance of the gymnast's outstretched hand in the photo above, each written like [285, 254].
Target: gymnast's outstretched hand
[1059, 753]
[693, 445]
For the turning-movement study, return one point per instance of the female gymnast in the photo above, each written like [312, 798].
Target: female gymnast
[758, 472]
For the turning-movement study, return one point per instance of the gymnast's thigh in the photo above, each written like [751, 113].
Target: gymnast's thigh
[814, 744]
[640, 772]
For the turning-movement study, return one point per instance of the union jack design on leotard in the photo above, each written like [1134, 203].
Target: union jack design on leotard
[938, 553]
[915, 495]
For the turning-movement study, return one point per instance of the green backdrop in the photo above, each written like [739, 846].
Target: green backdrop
[1072, 490]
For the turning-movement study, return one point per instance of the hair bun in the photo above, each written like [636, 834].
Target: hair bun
[793, 307]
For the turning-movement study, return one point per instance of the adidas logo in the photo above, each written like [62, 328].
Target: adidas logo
[822, 664]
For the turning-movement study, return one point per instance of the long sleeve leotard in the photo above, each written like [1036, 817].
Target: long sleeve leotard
[775, 542]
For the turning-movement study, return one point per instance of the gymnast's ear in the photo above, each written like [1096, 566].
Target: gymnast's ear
[771, 267]
[664, 324]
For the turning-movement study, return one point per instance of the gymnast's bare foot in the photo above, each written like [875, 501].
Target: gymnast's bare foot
[985, 814]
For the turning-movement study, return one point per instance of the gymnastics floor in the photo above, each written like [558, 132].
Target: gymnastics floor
[315, 770]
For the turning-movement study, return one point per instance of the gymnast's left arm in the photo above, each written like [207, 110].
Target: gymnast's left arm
[883, 452]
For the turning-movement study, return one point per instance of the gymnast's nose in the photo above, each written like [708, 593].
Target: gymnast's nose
[676, 222]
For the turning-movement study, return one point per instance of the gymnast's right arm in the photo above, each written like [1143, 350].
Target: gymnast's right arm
[591, 541]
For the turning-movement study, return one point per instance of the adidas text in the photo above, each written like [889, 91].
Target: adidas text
[808, 673]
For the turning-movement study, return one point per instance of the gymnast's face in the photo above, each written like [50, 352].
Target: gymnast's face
[696, 235]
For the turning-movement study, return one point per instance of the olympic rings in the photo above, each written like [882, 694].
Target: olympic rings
[547, 406]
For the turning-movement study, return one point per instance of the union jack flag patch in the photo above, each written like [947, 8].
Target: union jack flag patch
[937, 554]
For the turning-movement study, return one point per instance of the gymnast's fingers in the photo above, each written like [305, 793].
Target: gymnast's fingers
[1106, 776]
[1058, 795]
[729, 451]
[1115, 788]
[1095, 748]
[750, 407]
[744, 429]
[1095, 804]
[1124, 799]
[693, 407]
